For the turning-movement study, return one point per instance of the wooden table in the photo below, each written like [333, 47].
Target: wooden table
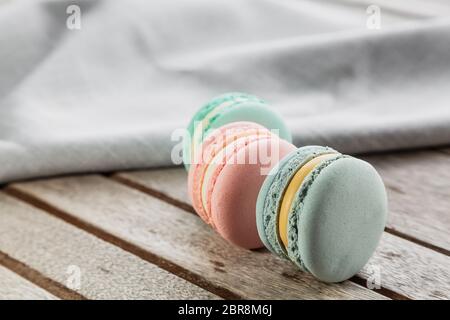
[134, 235]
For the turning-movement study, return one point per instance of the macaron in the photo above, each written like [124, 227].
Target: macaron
[225, 179]
[323, 210]
[228, 108]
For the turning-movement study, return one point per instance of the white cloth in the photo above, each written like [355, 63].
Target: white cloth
[108, 96]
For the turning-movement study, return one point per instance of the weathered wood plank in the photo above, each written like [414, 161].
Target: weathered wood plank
[410, 269]
[410, 262]
[61, 252]
[14, 287]
[182, 238]
[168, 183]
[418, 186]
[445, 150]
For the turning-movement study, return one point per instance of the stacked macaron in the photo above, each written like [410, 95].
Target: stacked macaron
[322, 210]
[229, 108]
[226, 176]
[314, 206]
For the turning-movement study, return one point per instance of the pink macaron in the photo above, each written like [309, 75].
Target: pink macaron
[226, 177]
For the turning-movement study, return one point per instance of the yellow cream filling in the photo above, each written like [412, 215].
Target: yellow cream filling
[291, 190]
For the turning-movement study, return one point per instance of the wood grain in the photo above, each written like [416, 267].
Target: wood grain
[445, 151]
[418, 185]
[409, 260]
[14, 287]
[410, 269]
[180, 237]
[61, 252]
[167, 183]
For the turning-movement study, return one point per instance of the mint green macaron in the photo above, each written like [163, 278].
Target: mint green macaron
[336, 212]
[227, 108]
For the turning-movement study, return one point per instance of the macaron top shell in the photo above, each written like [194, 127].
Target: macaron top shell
[226, 109]
[337, 219]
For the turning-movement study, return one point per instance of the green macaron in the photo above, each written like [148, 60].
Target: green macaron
[322, 210]
[227, 108]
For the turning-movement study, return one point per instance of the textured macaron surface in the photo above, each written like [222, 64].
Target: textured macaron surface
[228, 155]
[335, 215]
[337, 219]
[217, 103]
[236, 188]
[212, 155]
[227, 109]
[272, 192]
[322, 210]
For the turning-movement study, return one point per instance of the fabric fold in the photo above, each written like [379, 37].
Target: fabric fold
[111, 95]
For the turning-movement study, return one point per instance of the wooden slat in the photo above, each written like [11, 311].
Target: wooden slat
[167, 183]
[180, 237]
[445, 150]
[410, 269]
[14, 287]
[59, 250]
[404, 252]
[418, 186]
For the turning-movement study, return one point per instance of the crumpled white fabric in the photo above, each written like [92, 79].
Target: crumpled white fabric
[108, 96]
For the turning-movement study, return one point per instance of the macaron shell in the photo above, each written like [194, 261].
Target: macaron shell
[202, 112]
[254, 111]
[233, 199]
[272, 191]
[291, 192]
[228, 156]
[337, 219]
[212, 145]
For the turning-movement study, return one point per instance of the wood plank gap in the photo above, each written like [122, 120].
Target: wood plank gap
[443, 151]
[184, 206]
[39, 279]
[125, 245]
[164, 197]
[417, 241]
[152, 192]
[383, 291]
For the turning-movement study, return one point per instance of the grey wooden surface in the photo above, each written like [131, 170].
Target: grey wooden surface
[135, 235]
[60, 251]
[12, 286]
